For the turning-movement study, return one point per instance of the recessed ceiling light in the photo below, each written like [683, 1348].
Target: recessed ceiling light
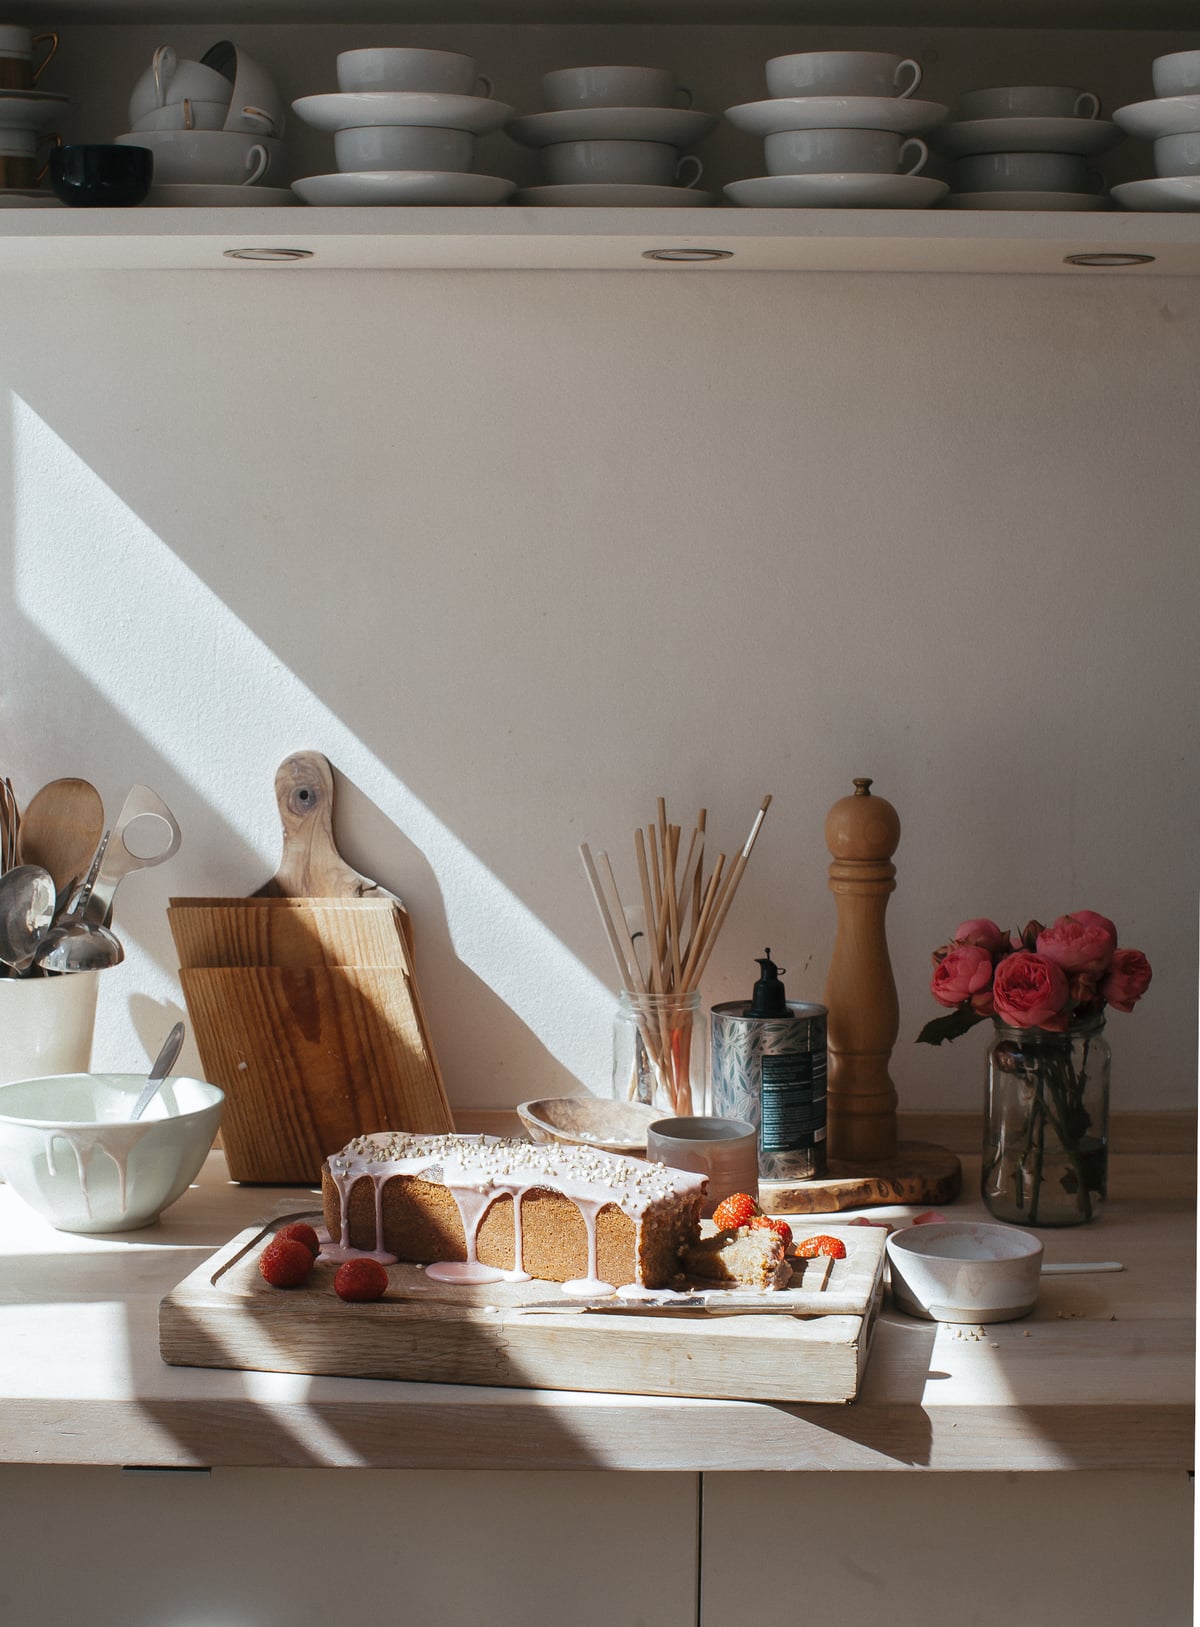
[269, 256]
[687, 256]
[1108, 259]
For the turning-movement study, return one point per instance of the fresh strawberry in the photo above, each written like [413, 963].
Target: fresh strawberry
[779, 1227]
[739, 1209]
[360, 1279]
[285, 1262]
[301, 1232]
[809, 1247]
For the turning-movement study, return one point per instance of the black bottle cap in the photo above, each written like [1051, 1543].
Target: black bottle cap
[770, 997]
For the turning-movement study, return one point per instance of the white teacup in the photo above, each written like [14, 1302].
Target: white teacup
[1177, 74]
[1027, 172]
[207, 157]
[1177, 155]
[403, 147]
[844, 152]
[842, 73]
[170, 79]
[18, 46]
[256, 106]
[612, 87]
[184, 115]
[628, 163]
[1029, 102]
[402, 68]
[22, 143]
[725, 1150]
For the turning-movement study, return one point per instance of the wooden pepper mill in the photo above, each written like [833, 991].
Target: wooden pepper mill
[862, 832]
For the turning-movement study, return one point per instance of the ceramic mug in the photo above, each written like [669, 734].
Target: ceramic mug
[169, 79]
[726, 1150]
[625, 163]
[1177, 74]
[18, 71]
[1027, 172]
[46, 1024]
[1177, 155]
[408, 69]
[206, 157]
[1029, 102]
[844, 152]
[843, 73]
[612, 87]
[20, 169]
[403, 147]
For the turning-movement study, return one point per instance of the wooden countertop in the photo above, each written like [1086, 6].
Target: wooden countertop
[1102, 1375]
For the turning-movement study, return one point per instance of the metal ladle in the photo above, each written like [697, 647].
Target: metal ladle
[74, 943]
[27, 898]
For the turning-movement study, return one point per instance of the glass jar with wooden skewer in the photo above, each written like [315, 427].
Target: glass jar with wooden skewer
[657, 1057]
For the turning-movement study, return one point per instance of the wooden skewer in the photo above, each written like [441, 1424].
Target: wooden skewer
[610, 930]
[695, 947]
[735, 876]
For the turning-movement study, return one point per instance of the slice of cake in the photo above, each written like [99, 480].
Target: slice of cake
[565, 1213]
[748, 1256]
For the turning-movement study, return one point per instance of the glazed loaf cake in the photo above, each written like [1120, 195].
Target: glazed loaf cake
[567, 1214]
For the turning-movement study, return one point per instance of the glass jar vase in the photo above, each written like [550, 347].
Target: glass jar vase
[1045, 1138]
[658, 1052]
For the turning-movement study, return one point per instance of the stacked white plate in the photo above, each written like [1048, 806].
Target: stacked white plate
[677, 127]
[370, 125]
[1172, 122]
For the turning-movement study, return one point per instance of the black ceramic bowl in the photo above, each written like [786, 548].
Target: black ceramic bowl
[106, 177]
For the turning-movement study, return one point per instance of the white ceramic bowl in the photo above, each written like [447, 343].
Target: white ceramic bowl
[408, 68]
[965, 1271]
[1177, 74]
[69, 1148]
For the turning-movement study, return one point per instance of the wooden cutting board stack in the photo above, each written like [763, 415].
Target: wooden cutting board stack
[304, 1003]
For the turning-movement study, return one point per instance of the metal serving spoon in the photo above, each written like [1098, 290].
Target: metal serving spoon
[27, 897]
[163, 1063]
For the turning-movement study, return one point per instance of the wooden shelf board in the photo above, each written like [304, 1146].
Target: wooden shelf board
[522, 238]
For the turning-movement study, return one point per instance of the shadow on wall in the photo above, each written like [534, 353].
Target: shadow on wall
[142, 672]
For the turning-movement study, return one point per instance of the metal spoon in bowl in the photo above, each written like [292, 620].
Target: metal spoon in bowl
[78, 946]
[27, 897]
[163, 1063]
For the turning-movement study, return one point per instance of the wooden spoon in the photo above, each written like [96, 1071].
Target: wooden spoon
[60, 829]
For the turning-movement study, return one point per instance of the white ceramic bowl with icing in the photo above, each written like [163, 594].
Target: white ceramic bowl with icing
[69, 1148]
[965, 1271]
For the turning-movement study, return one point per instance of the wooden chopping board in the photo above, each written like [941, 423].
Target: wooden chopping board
[225, 1315]
[304, 1002]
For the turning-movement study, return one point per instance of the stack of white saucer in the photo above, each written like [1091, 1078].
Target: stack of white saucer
[214, 126]
[404, 123]
[1027, 147]
[615, 137]
[841, 130]
[26, 114]
[1172, 122]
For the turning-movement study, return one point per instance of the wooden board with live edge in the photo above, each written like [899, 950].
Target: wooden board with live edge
[225, 1315]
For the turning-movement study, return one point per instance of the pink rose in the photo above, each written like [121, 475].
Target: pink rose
[1083, 942]
[984, 934]
[1128, 979]
[964, 973]
[1031, 992]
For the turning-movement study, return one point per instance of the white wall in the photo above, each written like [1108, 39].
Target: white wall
[521, 552]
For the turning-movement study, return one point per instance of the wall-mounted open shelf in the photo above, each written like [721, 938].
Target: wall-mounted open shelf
[512, 238]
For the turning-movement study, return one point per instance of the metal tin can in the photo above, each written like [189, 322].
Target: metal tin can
[771, 1071]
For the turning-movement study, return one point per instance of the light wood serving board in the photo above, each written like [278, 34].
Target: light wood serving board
[225, 1315]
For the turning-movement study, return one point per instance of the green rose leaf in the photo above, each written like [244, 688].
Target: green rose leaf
[951, 1026]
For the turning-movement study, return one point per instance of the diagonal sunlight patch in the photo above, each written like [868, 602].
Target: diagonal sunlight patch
[98, 584]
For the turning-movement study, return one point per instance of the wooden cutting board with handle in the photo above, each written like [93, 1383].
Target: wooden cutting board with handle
[303, 1000]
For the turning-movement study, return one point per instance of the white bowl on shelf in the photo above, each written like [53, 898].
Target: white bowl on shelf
[70, 1150]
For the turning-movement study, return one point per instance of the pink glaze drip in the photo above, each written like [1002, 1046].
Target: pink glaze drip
[115, 1141]
[478, 1170]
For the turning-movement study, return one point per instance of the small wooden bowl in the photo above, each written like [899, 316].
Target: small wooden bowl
[589, 1121]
